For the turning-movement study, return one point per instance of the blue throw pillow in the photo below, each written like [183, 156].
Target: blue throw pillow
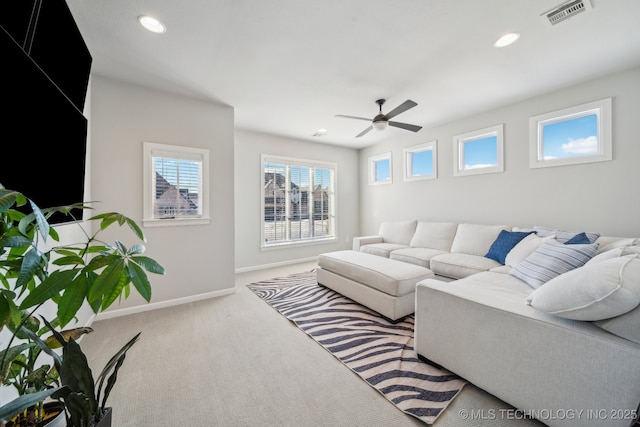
[579, 239]
[505, 241]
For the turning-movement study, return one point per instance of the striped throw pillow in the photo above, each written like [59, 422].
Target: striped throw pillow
[552, 259]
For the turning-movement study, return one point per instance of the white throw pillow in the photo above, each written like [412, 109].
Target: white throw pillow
[524, 248]
[593, 292]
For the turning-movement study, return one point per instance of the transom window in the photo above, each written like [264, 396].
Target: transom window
[420, 162]
[380, 169]
[175, 185]
[298, 201]
[479, 152]
[580, 134]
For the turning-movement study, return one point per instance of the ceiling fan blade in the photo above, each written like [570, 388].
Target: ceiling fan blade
[401, 108]
[406, 126]
[364, 131]
[352, 117]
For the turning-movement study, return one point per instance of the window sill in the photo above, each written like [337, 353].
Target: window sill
[175, 222]
[298, 243]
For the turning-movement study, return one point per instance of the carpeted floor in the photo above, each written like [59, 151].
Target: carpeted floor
[233, 361]
[379, 351]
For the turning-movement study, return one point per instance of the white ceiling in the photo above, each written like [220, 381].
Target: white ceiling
[289, 66]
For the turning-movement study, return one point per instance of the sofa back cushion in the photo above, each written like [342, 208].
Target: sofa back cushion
[564, 236]
[434, 235]
[399, 232]
[475, 239]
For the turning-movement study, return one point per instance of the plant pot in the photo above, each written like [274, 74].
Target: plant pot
[105, 421]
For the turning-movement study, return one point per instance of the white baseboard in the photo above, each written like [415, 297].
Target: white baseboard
[162, 304]
[275, 264]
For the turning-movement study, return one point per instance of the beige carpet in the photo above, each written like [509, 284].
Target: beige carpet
[234, 361]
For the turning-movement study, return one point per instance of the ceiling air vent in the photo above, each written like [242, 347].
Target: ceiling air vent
[565, 11]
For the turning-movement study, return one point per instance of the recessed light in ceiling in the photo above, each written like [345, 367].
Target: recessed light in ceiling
[320, 132]
[506, 40]
[152, 24]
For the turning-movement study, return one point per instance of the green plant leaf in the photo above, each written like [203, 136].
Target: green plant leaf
[136, 250]
[76, 374]
[151, 265]
[15, 242]
[23, 402]
[33, 262]
[136, 229]
[8, 355]
[69, 260]
[100, 261]
[52, 285]
[107, 280]
[140, 280]
[113, 366]
[57, 360]
[113, 293]
[6, 297]
[72, 299]
[7, 199]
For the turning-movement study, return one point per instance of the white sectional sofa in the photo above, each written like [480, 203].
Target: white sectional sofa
[546, 320]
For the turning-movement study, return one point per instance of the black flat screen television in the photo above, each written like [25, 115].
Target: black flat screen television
[44, 132]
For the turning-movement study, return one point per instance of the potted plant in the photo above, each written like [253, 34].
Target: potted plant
[68, 276]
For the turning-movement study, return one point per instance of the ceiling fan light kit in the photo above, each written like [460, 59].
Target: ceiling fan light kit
[381, 121]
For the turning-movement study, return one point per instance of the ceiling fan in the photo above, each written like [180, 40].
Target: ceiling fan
[381, 121]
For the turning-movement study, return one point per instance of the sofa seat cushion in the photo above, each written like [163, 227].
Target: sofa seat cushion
[458, 266]
[434, 235]
[625, 326]
[417, 256]
[493, 289]
[386, 275]
[382, 249]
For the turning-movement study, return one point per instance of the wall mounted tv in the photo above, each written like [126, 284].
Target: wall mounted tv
[44, 78]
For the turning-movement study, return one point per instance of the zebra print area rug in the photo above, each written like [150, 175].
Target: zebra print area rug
[379, 351]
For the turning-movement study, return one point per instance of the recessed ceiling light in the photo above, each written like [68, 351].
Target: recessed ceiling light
[152, 24]
[320, 132]
[507, 39]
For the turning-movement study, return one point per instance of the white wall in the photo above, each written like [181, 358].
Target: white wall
[248, 148]
[602, 197]
[198, 259]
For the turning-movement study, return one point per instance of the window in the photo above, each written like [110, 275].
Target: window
[479, 152]
[380, 169]
[298, 201]
[175, 185]
[580, 134]
[420, 162]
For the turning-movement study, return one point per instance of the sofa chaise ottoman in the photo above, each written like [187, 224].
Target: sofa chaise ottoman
[384, 285]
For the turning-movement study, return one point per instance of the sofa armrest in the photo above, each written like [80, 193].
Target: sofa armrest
[365, 240]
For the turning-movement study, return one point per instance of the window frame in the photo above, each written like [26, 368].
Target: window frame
[373, 161]
[333, 209]
[458, 148]
[602, 110]
[408, 161]
[151, 150]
